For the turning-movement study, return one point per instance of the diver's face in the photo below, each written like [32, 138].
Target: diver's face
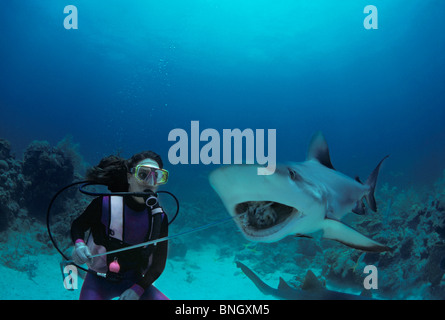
[135, 185]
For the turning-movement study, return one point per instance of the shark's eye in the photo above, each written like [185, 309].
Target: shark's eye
[294, 175]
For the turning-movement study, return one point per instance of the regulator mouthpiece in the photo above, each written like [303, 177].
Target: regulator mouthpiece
[151, 199]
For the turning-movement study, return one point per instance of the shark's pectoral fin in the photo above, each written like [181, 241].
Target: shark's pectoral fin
[340, 232]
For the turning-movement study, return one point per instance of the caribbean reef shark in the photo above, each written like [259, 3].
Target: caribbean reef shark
[297, 199]
[312, 289]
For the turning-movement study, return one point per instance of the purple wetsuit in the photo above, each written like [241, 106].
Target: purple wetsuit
[139, 268]
[98, 288]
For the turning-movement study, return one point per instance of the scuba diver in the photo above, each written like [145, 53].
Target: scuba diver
[119, 221]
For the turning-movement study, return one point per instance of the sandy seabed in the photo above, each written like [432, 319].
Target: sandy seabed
[199, 276]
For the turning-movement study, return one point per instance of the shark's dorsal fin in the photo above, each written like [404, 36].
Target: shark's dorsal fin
[311, 282]
[283, 286]
[318, 150]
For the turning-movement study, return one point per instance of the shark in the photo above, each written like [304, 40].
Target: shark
[298, 198]
[311, 289]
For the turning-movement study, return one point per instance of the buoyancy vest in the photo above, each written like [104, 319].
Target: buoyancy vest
[122, 229]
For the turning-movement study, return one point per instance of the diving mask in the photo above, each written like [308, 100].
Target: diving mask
[148, 172]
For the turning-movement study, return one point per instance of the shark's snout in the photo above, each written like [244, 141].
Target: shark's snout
[264, 207]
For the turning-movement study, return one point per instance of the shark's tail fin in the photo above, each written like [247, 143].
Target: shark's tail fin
[371, 182]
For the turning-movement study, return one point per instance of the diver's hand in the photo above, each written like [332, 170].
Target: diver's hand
[129, 294]
[81, 253]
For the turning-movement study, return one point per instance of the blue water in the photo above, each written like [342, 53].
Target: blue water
[135, 70]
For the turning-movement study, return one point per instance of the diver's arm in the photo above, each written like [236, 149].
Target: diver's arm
[159, 260]
[84, 222]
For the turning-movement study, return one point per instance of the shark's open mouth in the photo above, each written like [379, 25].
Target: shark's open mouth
[263, 218]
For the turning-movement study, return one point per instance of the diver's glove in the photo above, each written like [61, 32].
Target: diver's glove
[81, 253]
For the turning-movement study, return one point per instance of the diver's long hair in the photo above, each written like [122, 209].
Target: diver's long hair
[138, 157]
[112, 170]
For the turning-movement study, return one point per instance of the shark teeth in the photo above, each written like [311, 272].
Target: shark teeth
[263, 218]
